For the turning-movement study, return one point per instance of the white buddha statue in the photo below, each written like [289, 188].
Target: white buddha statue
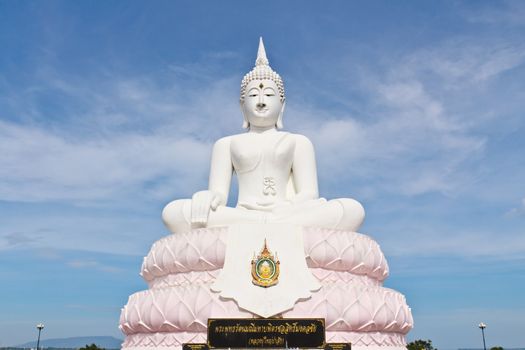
[276, 170]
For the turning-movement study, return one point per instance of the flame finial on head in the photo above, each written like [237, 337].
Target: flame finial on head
[261, 60]
[262, 70]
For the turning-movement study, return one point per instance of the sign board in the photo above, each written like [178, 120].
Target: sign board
[268, 333]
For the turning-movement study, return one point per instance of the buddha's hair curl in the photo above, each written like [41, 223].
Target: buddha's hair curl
[262, 72]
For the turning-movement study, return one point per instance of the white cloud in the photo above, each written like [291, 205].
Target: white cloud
[112, 138]
[498, 13]
[426, 121]
[50, 229]
[517, 211]
[443, 240]
[39, 165]
[93, 265]
[464, 62]
[412, 145]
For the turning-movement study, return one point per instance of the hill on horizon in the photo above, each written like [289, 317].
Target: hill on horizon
[106, 342]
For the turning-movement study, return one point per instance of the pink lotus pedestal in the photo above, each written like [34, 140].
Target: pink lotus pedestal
[180, 269]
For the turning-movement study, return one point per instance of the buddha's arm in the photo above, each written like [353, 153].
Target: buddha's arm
[304, 170]
[221, 170]
[219, 185]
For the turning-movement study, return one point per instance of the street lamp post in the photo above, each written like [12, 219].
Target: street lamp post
[482, 326]
[39, 326]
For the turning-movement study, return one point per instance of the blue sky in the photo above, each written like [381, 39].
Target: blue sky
[108, 110]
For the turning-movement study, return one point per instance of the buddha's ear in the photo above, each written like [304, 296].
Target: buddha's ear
[245, 122]
[279, 124]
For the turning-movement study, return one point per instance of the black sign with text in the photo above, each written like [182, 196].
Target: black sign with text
[195, 346]
[338, 346]
[266, 333]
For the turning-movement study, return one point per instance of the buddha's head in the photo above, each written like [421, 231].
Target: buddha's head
[262, 94]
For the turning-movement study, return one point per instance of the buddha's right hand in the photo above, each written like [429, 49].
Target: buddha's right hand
[201, 204]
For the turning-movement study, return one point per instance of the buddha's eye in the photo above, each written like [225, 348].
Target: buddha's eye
[268, 92]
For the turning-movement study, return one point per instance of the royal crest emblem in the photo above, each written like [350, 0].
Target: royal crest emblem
[265, 268]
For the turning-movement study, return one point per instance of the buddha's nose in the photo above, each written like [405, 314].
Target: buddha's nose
[261, 105]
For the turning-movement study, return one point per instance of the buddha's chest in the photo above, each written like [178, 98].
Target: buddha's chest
[270, 153]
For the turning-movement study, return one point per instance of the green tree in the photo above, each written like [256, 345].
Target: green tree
[496, 348]
[91, 347]
[421, 345]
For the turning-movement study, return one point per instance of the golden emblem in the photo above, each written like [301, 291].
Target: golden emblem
[265, 268]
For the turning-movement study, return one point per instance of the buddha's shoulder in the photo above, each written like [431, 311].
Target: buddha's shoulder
[298, 138]
[301, 141]
[225, 139]
[223, 143]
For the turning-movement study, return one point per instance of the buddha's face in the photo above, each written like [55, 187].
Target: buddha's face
[262, 105]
